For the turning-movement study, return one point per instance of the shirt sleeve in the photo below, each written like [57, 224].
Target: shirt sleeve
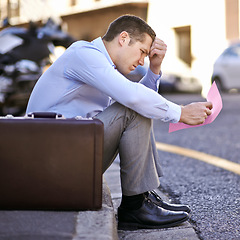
[151, 80]
[90, 66]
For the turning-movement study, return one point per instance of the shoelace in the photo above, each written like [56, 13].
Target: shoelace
[158, 198]
[149, 204]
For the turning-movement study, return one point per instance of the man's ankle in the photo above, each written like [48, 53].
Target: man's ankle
[132, 202]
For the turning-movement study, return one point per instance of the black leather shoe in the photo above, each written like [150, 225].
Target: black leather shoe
[168, 206]
[149, 216]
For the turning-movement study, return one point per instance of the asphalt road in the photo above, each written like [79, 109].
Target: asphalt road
[212, 192]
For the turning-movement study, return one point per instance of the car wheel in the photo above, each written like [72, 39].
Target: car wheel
[219, 84]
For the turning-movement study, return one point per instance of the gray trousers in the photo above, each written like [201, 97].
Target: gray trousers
[130, 134]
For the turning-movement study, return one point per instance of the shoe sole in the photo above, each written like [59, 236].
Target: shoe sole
[135, 226]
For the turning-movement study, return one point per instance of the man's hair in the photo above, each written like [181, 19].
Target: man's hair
[136, 27]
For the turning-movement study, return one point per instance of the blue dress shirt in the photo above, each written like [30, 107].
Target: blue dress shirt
[84, 81]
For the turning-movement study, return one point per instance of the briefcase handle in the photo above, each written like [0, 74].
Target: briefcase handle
[45, 115]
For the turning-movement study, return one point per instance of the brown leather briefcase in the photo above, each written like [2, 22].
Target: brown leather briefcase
[51, 164]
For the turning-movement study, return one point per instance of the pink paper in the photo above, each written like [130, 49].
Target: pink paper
[214, 97]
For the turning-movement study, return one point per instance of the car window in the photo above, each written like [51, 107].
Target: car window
[233, 51]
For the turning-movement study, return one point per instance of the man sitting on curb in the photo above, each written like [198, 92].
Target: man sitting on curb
[89, 80]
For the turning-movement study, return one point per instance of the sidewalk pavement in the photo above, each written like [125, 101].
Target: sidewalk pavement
[60, 225]
[92, 225]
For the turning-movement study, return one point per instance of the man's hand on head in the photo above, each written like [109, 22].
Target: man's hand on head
[157, 54]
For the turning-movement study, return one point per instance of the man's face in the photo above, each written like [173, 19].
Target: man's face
[133, 55]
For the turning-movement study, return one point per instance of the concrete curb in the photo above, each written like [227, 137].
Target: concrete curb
[94, 225]
[61, 225]
[97, 225]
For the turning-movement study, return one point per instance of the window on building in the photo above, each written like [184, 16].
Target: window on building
[232, 19]
[3, 9]
[73, 2]
[13, 8]
[183, 42]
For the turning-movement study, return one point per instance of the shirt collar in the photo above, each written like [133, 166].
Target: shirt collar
[98, 42]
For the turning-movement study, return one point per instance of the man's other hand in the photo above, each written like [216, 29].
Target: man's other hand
[195, 113]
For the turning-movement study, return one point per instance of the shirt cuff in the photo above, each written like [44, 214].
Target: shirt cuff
[152, 75]
[173, 113]
[154, 79]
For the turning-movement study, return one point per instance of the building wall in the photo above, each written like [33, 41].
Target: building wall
[83, 19]
[92, 24]
[206, 21]
[23, 11]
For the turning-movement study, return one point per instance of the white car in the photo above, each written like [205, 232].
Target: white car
[226, 70]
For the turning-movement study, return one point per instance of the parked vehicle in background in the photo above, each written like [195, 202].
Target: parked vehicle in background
[170, 83]
[226, 70]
